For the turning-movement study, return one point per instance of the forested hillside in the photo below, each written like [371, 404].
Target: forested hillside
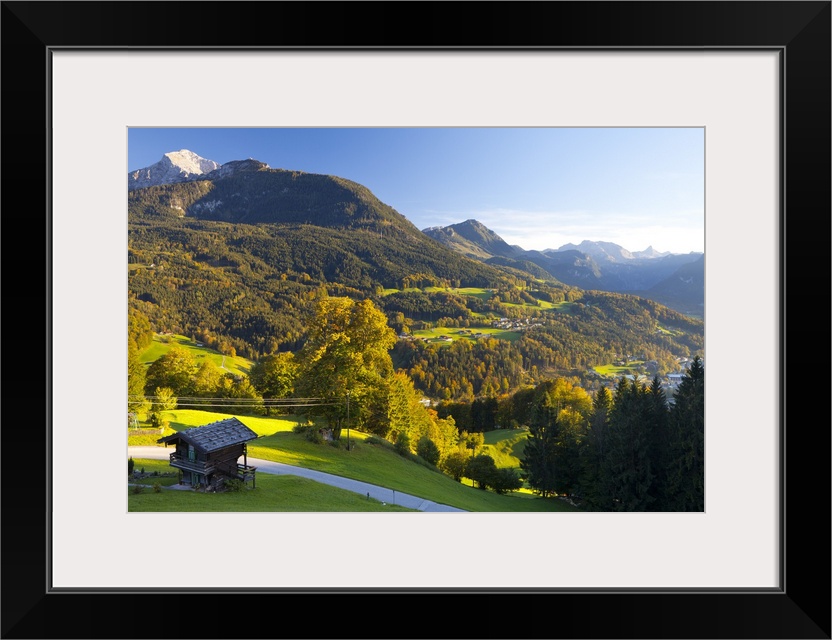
[239, 261]
[349, 317]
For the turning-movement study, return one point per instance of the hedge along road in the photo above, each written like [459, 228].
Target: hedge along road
[382, 494]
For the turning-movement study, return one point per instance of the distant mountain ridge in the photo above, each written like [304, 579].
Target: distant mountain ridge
[609, 251]
[683, 289]
[603, 266]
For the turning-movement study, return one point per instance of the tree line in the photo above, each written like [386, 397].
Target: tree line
[631, 451]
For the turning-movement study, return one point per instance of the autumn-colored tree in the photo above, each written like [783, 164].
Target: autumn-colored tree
[175, 370]
[275, 376]
[347, 351]
[136, 376]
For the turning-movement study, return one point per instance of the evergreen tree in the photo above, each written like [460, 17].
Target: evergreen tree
[687, 424]
[484, 414]
[597, 490]
[558, 427]
[660, 445]
[627, 464]
[539, 456]
[427, 450]
[569, 438]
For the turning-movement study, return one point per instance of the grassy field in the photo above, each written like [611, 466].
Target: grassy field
[146, 439]
[162, 343]
[453, 333]
[146, 465]
[273, 493]
[506, 446]
[482, 294]
[486, 294]
[618, 371]
[380, 465]
[262, 426]
[186, 418]
[560, 307]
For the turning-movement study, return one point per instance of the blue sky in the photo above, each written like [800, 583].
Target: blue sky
[538, 188]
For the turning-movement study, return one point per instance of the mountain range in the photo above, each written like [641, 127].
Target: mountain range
[677, 280]
[357, 238]
[235, 255]
[271, 195]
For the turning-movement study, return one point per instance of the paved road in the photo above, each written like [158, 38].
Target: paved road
[382, 494]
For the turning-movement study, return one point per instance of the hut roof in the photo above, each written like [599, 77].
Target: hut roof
[214, 436]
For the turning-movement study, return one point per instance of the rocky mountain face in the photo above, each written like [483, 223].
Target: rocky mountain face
[235, 167]
[175, 166]
[473, 239]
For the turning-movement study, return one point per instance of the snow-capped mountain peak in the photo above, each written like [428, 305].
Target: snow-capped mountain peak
[175, 166]
[190, 162]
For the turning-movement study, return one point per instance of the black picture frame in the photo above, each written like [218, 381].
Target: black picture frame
[800, 31]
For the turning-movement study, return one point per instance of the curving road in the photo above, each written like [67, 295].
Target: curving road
[382, 494]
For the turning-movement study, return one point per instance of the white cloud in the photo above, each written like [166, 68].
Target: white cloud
[678, 232]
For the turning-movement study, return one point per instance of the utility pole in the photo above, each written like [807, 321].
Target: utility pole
[349, 447]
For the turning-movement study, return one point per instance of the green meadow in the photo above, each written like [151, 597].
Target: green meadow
[506, 446]
[482, 294]
[561, 307]
[186, 418]
[453, 333]
[159, 467]
[163, 342]
[272, 493]
[616, 371]
[370, 460]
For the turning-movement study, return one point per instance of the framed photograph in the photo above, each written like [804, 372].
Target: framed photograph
[753, 76]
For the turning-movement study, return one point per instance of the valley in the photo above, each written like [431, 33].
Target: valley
[259, 292]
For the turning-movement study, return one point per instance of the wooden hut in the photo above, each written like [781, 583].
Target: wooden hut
[209, 455]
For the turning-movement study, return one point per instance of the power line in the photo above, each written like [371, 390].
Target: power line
[237, 403]
[228, 397]
[232, 405]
